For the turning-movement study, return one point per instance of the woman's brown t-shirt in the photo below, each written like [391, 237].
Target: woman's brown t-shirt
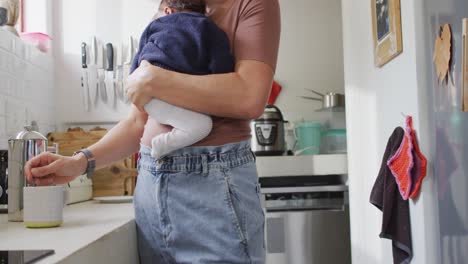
[253, 28]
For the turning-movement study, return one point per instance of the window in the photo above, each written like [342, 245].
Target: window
[36, 16]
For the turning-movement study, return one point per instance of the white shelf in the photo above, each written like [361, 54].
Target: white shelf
[312, 165]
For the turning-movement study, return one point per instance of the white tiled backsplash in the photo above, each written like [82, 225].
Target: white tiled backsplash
[26, 88]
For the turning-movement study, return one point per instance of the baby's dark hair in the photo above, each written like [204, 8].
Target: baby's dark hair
[198, 6]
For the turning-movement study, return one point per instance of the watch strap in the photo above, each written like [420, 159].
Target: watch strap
[91, 162]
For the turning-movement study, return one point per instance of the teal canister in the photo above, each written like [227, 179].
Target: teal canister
[308, 136]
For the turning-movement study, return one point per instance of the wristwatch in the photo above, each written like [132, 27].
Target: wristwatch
[91, 162]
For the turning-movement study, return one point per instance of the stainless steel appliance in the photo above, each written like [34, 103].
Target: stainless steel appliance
[307, 220]
[26, 145]
[268, 133]
[3, 181]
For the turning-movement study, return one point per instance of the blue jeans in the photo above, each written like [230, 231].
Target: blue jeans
[200, 205]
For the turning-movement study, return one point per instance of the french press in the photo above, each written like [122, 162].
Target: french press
[27, 144]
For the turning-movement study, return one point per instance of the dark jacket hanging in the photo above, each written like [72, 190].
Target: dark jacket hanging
[396, 224]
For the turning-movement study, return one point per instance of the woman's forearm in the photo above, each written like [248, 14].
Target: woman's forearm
[49, 169]
[241, 94]
[121, 141]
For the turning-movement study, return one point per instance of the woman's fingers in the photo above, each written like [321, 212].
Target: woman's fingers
[42, 165]
[51, 180]
[138, 98]
[47, 169]
[44, 181]
[136, 83]
[37, 161]
[63, 179]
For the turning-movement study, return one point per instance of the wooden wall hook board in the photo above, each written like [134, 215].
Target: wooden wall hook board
[442, 52]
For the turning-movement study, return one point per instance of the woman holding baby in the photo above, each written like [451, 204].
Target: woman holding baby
[199, 203]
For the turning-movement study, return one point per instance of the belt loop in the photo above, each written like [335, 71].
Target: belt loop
[159, 163]
[254, 156]
[204, 164]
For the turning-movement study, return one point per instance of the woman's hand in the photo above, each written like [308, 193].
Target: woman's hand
[138, 84]
[50, 169]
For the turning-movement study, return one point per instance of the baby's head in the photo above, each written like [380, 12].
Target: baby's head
[168, 7]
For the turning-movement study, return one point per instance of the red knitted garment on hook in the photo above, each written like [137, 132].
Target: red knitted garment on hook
[401, 163]
[420, 162]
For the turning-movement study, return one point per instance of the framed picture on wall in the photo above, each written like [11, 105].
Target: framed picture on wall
[386, 25]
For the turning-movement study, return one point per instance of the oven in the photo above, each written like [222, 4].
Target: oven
[307, 220]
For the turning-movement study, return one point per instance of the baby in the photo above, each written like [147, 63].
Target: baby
[182, 39]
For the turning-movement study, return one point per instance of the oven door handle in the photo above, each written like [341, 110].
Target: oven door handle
[306, 189]
[294, 210]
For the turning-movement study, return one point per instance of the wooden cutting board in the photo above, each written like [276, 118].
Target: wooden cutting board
[115, 180]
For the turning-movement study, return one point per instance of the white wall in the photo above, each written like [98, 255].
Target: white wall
[77, 21]
[310, 55]
[38, 16]
[26, 88]
[375, 100]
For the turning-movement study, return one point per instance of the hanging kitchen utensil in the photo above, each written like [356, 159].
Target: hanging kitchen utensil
[330, 101]
[119, 74]
[84, 77]
[93, 73]
[101, 73]
[136, 46]
[110, 88]
[127, 65]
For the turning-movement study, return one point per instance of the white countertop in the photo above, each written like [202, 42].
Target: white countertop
[84, 224]
[307, 165]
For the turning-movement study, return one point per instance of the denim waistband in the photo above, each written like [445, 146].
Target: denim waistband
[198, 159]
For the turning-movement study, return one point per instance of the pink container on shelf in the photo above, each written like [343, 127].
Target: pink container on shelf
[40, 40]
